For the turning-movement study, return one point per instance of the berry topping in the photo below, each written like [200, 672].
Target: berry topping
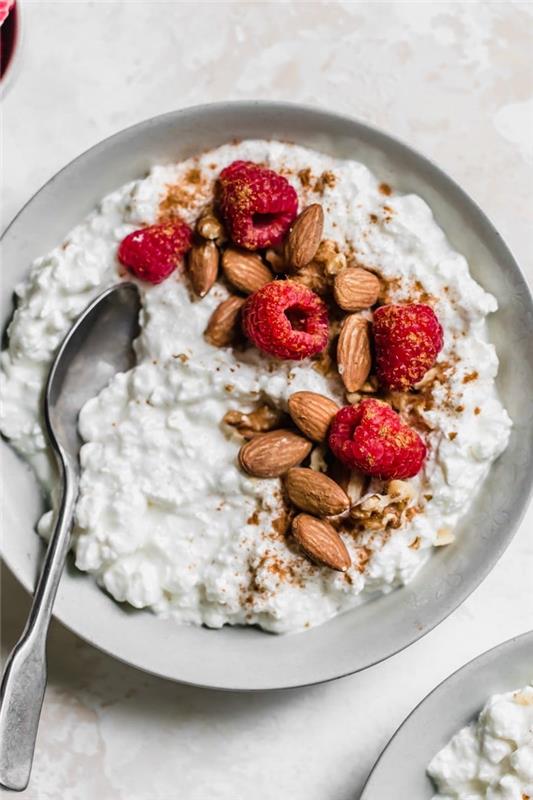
[257, 204]
[372, 437]
[407, 340]
[153, 253]
[286, 320]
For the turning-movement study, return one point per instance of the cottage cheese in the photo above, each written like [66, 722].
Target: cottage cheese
[491, 759]
[165, 519]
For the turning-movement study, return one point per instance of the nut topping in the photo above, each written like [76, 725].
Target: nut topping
[203, 266]
[312, 413]
[444, 536]
[355, 288]
[275, 260]
[329, 256]
[314, 277]
[270, 455]
[265, 418]
[223, 325]
[321, 542]
[315, 493]
[246, 271]
[353, 352]
[304, 236]
[210, 227]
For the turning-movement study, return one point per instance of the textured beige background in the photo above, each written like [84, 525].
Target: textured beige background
[453, 80]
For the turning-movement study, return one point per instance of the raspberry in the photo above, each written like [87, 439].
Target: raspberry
[257, 204]
[286, 320]
[372, 437]
[153, 253]
[407, 340]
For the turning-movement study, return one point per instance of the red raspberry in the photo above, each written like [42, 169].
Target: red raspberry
[257, 204]
[286, 320]
[372, 437]
[153, 253]
[407, 340]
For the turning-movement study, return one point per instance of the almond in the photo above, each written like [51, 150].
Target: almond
[312, 413]
[353, 352]
[246, 271]
[316, 493]
[304, 236]
[356, 288]
[203, 266]
[224, 322]
[269, 455]
[321, 542]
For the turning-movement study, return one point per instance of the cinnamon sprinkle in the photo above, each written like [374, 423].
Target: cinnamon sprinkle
[384, 188]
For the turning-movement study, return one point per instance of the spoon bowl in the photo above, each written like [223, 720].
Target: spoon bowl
[97, 347]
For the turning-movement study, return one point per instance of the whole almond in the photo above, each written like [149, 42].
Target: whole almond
[270, 455]
[321, 542]
[312, 413]
[246, 271]
[203, 266]
[353, 352]
[224, 322]
[316, 493]
[356, 288]
[304, 236]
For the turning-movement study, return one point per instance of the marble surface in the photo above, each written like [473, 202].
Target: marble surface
[449, 78]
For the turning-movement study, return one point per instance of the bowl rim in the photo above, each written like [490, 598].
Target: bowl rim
[489, 230]
[451, 682]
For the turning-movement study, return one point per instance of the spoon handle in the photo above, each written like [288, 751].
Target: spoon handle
[24, 679]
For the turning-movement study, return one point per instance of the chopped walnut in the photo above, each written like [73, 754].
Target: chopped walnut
[411, 407]
[523, 699]
[379, 512]
[428, 378]
[314, 277]
[210, 227]
[329, 256]
[370, 386]
[261, 420]
[317, 460]
[356, 485]
[444, 536]
[276, 260]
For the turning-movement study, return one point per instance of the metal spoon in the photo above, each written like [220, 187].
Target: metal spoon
[96, 347]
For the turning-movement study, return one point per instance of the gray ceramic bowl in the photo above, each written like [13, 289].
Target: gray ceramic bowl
[248, 658]
[401, 769]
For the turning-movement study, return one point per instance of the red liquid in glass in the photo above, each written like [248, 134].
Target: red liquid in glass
[8, 38]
